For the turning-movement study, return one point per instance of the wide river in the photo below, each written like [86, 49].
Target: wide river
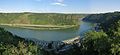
[51, 35]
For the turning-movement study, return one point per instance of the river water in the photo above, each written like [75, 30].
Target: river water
[51, 35]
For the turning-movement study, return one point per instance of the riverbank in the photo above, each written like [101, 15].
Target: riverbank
[41, 27]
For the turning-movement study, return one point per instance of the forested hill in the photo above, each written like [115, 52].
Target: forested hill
[40, 18]
[101, 18]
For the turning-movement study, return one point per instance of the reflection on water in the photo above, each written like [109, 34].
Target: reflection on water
[85, 27]
[49, 35]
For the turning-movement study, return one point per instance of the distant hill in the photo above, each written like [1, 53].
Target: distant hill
[101, 18]
[40, 18]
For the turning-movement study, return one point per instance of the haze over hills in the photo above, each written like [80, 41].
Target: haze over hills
[59, 6]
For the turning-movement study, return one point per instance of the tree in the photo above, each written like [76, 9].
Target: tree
[95, 43]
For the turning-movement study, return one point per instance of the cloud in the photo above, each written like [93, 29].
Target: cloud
[59, 4]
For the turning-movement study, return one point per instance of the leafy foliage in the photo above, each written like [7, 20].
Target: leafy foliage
[95, 43]
[14, 45]
[106, 42]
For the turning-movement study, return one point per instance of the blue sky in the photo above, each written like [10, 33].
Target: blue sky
[60, 6]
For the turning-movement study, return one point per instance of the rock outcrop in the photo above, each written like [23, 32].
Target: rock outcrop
[58, 46]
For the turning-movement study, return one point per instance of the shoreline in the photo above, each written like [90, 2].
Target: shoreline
[41, 27]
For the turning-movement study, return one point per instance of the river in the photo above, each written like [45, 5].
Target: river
[51, 35]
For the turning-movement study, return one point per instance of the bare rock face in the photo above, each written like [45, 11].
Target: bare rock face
[58, 47]
[73, 40]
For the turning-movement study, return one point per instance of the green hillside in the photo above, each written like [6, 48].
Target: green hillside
[106, 41]
[40, 18]
[102, 17]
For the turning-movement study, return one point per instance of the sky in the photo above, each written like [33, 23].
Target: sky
[60, 6]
